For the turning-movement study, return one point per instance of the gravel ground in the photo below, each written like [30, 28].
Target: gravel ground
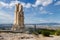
[23, 36]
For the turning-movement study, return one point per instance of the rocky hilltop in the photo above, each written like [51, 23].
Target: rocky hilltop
[24, 36]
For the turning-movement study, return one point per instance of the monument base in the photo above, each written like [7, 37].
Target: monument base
[17, 28]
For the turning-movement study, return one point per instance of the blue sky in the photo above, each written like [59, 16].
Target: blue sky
[35, 11]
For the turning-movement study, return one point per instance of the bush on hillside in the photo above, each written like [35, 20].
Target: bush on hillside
[57, 32]
[39, 31]
[45, 33]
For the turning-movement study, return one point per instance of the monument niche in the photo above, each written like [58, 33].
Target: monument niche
[18, 18]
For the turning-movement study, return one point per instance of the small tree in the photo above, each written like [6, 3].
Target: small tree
[45, 33]
[57, 32]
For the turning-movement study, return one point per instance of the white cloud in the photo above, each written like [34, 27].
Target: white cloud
[57, 3]
[12, 4]
[46, 2]
[3, 4]
[28, 5]
[42, 2]
[43, 11]
[8, 5]
[37, 3]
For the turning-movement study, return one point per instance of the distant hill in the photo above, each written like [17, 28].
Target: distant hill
[45, 24]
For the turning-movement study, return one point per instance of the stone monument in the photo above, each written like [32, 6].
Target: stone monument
[18, 18]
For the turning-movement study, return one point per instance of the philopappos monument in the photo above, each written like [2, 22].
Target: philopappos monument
[18, 18]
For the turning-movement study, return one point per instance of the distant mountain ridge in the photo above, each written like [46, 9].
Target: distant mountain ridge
[49, 24]
[54, 25]
[37, 24]
[46, 24]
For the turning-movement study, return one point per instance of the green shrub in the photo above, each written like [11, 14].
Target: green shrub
[45, 33]
[52, 33]
[57, 32]
[39, 31]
